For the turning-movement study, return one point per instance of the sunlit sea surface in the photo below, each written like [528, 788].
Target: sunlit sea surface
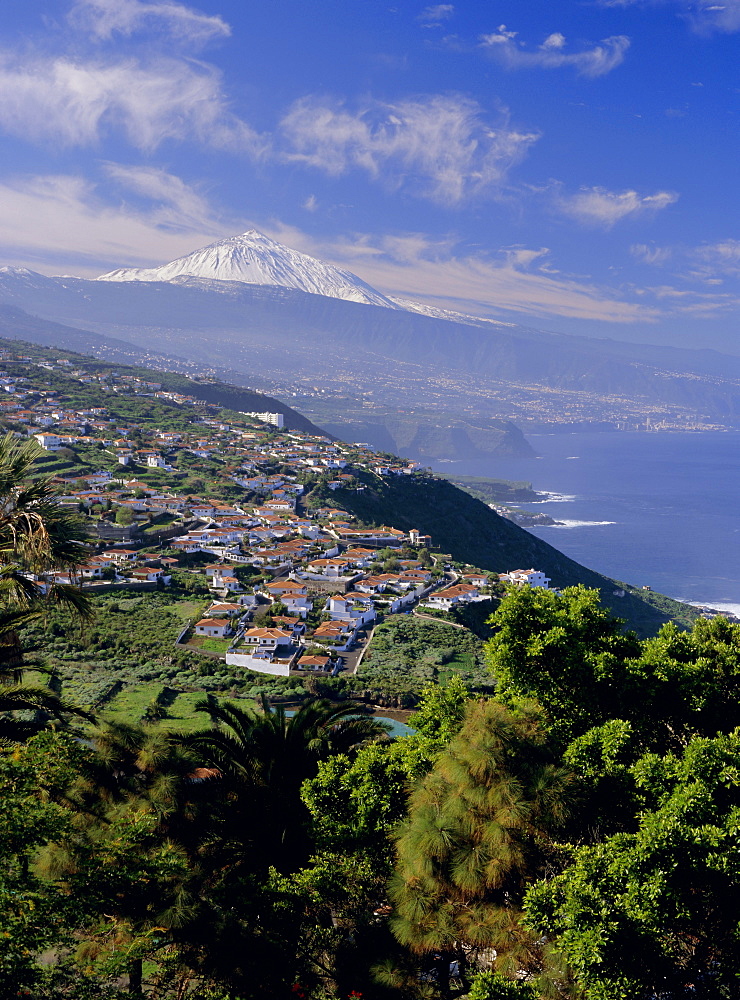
[661, 509]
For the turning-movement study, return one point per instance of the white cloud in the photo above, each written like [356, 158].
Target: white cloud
[598, 207]
[438, 147]
[706, 15]
[713, 261]
[703, 15]
[433, 16]
[712, 265]
[598, 60]
[179, 206]
[555, 41]
[435, 271]
[63, 222]
[648, 254]
[104, 18]
[76, 102]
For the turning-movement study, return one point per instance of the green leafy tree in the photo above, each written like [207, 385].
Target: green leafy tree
[36, 913]
[563, 649]
[442, 710]
[568, 653]
[125, 516]
[686, 683]
[495, 986]
[357, 800]
[656, 912]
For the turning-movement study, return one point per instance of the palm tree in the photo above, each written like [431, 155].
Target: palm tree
[37, 536]
[261, 759]
[241, 819]
[227, 799]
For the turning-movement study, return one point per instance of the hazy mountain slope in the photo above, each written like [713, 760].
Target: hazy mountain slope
[164, 315]
[19, 325]
[425, 437]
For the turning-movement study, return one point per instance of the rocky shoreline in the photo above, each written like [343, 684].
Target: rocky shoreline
[524, 518]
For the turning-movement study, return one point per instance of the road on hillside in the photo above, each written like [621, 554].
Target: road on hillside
[352, 659]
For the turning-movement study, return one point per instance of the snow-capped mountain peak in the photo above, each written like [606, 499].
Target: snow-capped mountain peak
[255, 259]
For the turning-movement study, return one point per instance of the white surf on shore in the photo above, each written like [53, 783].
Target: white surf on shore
[575, 524]
[726, 606]
[545, 497]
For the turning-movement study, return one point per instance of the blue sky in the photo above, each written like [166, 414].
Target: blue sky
[571, 166]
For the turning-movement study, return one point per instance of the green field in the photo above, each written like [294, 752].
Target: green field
[131, 704]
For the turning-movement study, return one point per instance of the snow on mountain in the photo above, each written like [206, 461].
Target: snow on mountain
[435, 312]
[255, 259]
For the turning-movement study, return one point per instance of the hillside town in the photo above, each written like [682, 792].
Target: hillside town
[293, 582]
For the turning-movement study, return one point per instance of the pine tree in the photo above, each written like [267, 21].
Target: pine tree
[478, 831]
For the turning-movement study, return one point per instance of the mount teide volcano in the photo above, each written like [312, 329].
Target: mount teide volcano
[254, 259]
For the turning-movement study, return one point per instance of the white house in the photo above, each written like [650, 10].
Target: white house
[267, 638]
[445, 599]
[355, 607]
[296, 604]
[215, 628]
[522, 577]
[49, 442]
[227, 583]
[220, 608]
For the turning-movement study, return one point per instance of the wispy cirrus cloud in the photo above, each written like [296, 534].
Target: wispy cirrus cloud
[441, 147]
[718, 259]
[505, 47]
[708, 263]
[648, 254]
[596, 206]
[178, 206]
[518, 281]
[704, 16]
[76, 102]
[67, 223]
[148, 90]
[105, 18]
[434, 15]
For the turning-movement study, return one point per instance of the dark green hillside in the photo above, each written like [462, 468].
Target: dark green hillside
[471, 532]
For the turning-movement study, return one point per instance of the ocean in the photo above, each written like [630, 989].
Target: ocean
[659, 510]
